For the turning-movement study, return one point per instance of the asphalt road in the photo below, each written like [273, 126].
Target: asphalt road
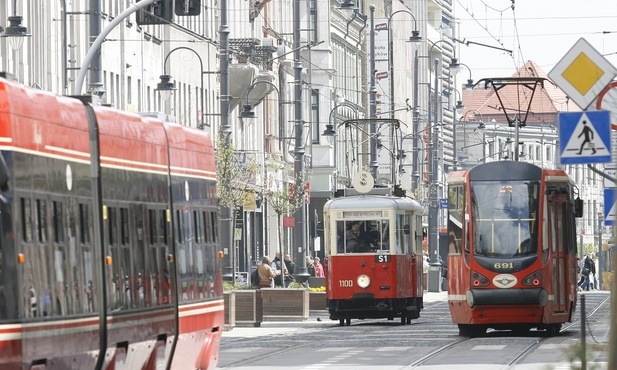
[431, 342]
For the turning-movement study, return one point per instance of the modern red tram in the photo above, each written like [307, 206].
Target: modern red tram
[108, 241]
[511, 248]
[373, 246]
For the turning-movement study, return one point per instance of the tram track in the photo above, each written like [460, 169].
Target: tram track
[521, 354]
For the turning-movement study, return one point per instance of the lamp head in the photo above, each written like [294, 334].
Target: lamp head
[454, 65]
[469, 85]
[459, 105]
[247, 112]
[329, 131]
[415, 36]
[348, 7]
[15, 32]
[165, 87]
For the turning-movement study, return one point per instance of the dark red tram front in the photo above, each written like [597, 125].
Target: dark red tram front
[373, 258]
[512, 248]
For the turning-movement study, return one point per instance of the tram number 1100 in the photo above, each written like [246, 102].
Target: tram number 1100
[345, 283]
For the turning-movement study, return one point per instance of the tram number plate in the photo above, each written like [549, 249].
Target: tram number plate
[381, 258]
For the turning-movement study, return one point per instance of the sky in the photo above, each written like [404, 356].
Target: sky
[542, 31]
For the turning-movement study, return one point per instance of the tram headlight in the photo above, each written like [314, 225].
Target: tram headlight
[543, 298]
[469, 297]
[364, 281]
[534, 279]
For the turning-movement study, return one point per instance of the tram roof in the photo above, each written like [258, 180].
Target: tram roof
[373, 202]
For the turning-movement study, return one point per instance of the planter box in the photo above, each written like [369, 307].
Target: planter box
[248, 308]
[229, 301]
[317, 301]
[285, 304]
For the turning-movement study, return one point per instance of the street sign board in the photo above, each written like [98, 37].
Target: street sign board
[612, 173]
[582, 73]
[443, 203]
[607, 100]
[610, 206]
[584, 137]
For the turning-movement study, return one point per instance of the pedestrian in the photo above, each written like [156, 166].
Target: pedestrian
[310, 266]
[265, 273]
[589, 268]
[277, 267]
[595, 262]
[318, 268]
[290, 266]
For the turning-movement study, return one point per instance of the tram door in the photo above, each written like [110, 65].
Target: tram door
[557, 220]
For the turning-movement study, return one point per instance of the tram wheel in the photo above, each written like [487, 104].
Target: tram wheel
[471, 330]
[553, 330]
[347, 322]
[341, 322]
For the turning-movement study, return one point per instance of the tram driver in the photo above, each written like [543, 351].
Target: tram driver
[356, 240]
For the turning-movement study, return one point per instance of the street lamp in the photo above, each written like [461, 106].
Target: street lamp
[469, 85]
[15, 32]
[331, 132]
[458, 108]
[248, 113]
[166, 90]
[415, 37]
[434, 274]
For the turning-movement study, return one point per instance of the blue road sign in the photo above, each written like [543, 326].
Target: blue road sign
[610, 206]
[585, 137]
[443, 203]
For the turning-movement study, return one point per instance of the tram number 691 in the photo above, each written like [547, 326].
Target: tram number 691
[503, 265]
[345, 283]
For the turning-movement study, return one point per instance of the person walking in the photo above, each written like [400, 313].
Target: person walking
[589, 268]
[266, 274]
[319, 272]
[310, 266]
[290, 266]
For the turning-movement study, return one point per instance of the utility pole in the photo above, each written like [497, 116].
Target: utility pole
[373, 98]
[415, 176]
[300, 234]
[434, 273]
[225, 129]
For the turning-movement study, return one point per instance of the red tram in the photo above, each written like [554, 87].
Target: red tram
[373, 264]
[511, 248]
[108, 238]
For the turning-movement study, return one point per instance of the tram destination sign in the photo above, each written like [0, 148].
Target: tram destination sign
[360, 214]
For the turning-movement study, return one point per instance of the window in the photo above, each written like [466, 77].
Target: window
[315, 116]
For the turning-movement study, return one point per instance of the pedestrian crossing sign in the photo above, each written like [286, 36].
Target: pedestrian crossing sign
[585, 137]
[610, 207]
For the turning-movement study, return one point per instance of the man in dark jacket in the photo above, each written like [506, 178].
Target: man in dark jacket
[589, 268]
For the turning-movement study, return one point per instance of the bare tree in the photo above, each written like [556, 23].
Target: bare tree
[285, 196]
[237, 175]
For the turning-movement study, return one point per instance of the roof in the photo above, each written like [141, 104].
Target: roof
[544, 104]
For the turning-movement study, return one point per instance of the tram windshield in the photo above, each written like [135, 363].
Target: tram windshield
[504, 215]
[365, 236]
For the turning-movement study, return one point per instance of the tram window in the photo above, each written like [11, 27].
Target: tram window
[179, 227]
[40, 220]
[197, 226]
[152, 231]
[214, 222]
[164, 230]
[26, 219]
[57, 222]
[84, 223]
[124, 226]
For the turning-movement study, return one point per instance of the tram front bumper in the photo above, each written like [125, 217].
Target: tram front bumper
[528, 296]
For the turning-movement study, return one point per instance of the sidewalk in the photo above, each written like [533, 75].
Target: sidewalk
[317, 319]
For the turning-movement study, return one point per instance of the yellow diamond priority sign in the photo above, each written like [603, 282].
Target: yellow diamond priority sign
[582, 73]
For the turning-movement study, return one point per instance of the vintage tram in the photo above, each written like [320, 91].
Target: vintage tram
[108, 238]
[511, 248]
[373, 246]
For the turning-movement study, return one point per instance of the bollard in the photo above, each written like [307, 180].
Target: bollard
[583, 345]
